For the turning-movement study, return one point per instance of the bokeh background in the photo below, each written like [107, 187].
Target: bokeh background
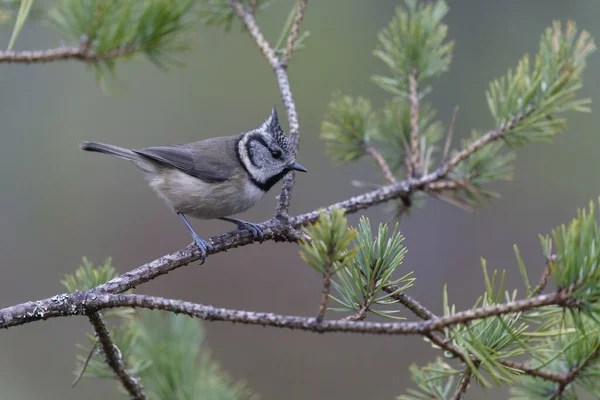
[58, 203]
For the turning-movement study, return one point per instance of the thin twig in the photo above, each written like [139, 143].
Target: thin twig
[85, 364]
[413, 97]
[247, 17]
[361, 314]
[114, 359]
[381, 163]
[449, 135]
[464, 385]
[487, 138]
[325, 293]
[294, 31]
[547, 271]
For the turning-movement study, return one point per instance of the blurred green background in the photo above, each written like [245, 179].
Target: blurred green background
[58, 203]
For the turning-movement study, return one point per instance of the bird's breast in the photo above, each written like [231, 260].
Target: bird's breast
[197, 198]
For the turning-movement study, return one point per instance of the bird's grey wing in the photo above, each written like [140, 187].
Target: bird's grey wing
[204, 165]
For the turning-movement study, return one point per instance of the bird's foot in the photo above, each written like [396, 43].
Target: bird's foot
[203, 246]
[254, 229]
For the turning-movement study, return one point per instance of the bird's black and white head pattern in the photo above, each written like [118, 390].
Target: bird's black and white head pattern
[266, 153]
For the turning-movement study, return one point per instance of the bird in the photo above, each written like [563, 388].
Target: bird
[214, 178]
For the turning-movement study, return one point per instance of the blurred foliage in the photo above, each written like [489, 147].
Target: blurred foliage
[166, 351]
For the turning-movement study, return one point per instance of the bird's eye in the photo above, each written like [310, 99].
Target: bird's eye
[276, 154]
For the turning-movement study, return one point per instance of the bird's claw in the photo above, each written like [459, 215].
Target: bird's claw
[254, 229]
[203, 246]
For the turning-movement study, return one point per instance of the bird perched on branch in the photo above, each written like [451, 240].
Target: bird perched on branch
[217, 177]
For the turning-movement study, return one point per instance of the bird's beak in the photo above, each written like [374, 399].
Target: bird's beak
[298, 167]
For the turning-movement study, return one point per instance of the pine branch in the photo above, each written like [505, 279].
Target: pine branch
[114, 359]
[80, 53]
[279, 68]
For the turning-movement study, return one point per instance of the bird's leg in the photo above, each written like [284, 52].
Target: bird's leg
[202, 244]
[253, 228]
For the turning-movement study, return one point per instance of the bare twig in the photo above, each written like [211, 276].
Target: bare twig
[361, 314]
[381, 163]
[464, 385]
[449, 135]
[487, 138]
[114, 359]
[284, 87]
[413, 97]
[294, 31]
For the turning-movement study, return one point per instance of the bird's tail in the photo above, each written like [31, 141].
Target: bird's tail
[110, 149]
